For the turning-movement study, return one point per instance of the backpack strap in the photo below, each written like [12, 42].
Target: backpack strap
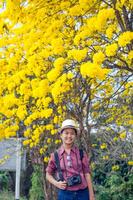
[58, 166]
[81, 154]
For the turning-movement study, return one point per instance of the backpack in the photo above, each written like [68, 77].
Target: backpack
[57, 162]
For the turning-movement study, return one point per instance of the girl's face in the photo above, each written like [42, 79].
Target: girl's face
[68, 136]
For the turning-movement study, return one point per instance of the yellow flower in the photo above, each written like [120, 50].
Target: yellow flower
[77, 39]
[42, 89]
[75, 11]
[103, 16]
[49, 140]
[56, 141]
[130, 55]
[55, 119]
[105, 157]
[31, 144]
[103, 146]
[94, 145]
[45, 146]
[111, 49]
[93, 70]
[130, 122]
[53, 132]
[125, 38]
[115, 139]
[78, 55]
[98, 58]
[70, 75]
[123, 155]
[65, 4]
[53, 74]
[46, 101]
[26, 142]
[21, 112]
[123, 135]
[41, 151]
[27, 133]
[59, 62]
[122, 2]
[6, 157]
[49, 126]
[46, 113]
[2, 161]
[115, 167]
[110, 30]
[57, 45]
[130, 162]
[46, 159]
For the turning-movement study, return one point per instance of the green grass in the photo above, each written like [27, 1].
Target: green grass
[7, 195]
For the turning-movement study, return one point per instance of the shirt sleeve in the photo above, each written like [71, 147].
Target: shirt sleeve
[86, 164]
[51, 168]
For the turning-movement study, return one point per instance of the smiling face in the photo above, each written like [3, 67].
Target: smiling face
[68, 136]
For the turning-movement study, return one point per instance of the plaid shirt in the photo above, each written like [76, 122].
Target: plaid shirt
[76, 167]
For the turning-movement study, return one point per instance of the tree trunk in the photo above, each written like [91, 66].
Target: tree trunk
[46, 186]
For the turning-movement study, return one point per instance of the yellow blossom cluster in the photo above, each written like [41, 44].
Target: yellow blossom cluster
[78, 55]
[103, 146]
[56, 71]
[130, 162]
[103, 16]
[4, 159]
[111, 50]
[125, 38]
[115, 167]
[49, 52]
[123, 156]
[61, 86]
[105, 157]
[110, 30]
[93, 70]
[123, 135]
[98, 58]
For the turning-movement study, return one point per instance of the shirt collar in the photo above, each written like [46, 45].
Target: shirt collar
[62, 150]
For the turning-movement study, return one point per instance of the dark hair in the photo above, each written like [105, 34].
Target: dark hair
[69, 127]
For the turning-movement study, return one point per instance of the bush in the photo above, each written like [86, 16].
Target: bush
[7, 195]
[36, 191]
[4, 180]
[115, 187]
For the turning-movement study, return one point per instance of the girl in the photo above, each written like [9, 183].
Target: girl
[76, 183]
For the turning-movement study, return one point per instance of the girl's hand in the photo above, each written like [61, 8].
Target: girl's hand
[61, 185]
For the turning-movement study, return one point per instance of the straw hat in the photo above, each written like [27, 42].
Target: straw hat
[68, 123]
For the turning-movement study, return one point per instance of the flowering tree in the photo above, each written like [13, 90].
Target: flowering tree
[63, 59]
[65, 50]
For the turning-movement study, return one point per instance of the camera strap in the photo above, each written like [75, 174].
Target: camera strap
[58, 163]
[81, 157]
[81, 152]
[58, 166]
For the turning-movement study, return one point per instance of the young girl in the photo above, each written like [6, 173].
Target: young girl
[76, 183]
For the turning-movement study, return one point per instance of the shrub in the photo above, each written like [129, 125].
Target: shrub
[115, 187]
[8, 195]
[4, 181]
[36, 191]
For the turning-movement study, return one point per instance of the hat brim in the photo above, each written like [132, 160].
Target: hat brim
[65, 127]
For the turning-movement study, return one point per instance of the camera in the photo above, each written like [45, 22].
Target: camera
[74, 180]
